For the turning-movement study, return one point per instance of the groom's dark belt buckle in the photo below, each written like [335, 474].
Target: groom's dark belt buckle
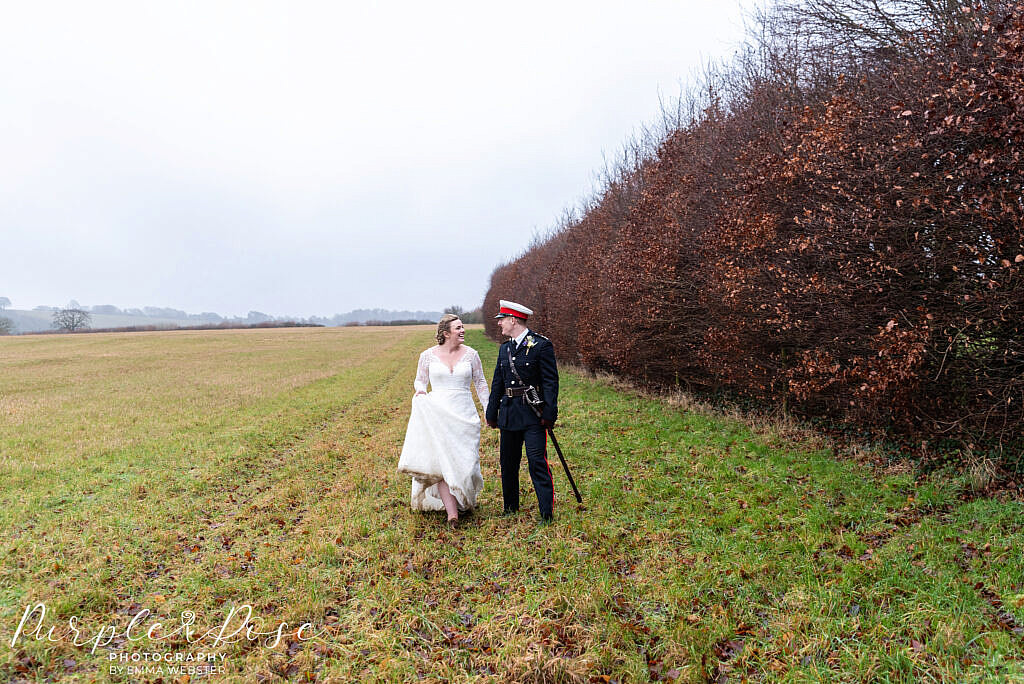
[515, 391]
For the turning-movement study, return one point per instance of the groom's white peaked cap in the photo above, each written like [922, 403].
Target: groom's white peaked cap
[508, 308]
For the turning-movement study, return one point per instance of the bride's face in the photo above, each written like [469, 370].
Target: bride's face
[456, 331]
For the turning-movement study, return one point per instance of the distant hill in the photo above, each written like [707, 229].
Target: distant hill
[108, 316]
[364, 315]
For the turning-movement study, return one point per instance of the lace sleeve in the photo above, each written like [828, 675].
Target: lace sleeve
[479, 382]
[422, 372]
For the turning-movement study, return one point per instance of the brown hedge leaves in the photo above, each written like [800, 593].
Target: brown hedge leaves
[846, 240]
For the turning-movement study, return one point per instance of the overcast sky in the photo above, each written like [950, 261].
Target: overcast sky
[315, 157]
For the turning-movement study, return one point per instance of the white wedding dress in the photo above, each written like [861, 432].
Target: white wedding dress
[442, 441]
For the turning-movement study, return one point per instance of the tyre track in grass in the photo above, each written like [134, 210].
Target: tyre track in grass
[298, 528]
[259, 487]
[360, 502]
[256, 492]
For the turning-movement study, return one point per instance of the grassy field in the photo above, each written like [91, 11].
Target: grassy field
[203, 471]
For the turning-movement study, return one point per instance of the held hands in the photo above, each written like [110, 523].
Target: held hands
[492, 424]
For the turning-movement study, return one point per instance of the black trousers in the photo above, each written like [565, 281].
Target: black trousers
[536, 441]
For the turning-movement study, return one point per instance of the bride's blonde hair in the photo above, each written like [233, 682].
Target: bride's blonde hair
[443, 326]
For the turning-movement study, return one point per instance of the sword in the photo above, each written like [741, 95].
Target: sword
[558, 450]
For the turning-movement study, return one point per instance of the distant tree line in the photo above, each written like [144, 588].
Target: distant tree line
[75, 316]
[833, 222]
[474, 316]
[224, 325]
[377, 316]
[358, 315]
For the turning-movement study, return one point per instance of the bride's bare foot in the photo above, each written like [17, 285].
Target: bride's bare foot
[451, 506]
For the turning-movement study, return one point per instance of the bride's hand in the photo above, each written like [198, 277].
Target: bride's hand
[419, 393]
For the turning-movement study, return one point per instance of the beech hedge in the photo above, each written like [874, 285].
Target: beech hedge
[837, 225]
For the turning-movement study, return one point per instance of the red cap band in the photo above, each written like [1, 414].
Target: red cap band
[511, 312]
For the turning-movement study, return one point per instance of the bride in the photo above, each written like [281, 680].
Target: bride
[442, 442]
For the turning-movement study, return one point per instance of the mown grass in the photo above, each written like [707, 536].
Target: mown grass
[203, 470]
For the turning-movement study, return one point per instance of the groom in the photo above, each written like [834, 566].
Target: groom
[534, 360]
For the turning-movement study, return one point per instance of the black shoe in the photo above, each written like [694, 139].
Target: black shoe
[547, 519]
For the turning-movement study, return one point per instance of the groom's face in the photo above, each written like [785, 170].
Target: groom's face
[507, 325]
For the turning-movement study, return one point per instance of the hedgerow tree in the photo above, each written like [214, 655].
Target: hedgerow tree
[71, 320]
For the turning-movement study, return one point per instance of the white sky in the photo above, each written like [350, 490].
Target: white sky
[314, 157]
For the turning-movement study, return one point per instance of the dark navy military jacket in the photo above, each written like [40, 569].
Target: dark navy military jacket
[535, 361]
